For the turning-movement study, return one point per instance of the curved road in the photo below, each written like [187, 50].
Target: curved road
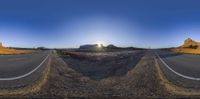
[17, 67]
[181, 68]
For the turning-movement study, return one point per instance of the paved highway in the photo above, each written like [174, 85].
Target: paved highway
[17, 67]
[181, 68]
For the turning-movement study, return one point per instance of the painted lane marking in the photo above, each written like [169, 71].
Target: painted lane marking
[177, 73]
[27, 74]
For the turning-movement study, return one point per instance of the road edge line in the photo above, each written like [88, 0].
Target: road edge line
[172, 88]
[177, 73]
[30, 89]
[26, 74]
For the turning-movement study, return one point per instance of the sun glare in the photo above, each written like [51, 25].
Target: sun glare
[100, 44]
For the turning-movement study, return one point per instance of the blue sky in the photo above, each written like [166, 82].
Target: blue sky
[70, 23]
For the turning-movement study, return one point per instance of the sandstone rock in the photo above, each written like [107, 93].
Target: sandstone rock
[189, 43]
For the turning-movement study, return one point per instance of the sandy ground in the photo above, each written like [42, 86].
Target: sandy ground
[140, 81]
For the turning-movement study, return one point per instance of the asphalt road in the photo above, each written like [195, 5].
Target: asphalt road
[185, 64]
[17, 65]
[181, 68]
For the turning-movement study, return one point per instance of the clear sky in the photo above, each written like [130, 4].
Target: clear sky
[70, 23]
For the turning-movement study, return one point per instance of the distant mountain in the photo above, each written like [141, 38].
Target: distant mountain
[89, 46]
[111, 46]
[189, 43]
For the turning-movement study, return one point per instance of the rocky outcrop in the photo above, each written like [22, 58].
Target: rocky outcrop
[189, 43]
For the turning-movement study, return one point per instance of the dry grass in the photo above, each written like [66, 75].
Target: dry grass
[6, 51]
[186, 50]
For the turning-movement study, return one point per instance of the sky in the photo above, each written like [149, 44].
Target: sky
[71, 23]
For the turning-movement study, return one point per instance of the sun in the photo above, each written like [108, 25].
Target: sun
[100, 44]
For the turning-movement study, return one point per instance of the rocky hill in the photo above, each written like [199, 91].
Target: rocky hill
[189, 47]
[189, 43]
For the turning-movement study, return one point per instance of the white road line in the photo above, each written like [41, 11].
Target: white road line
[27, 74]
[179, 74]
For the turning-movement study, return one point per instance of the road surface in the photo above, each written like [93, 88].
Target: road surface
[180, 68]
[16, 70]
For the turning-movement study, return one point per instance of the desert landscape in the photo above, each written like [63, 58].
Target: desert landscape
[105, 72]
[99, 49]
[118, 74]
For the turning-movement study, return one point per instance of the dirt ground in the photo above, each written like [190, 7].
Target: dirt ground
[140, 81]
[98, 66]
